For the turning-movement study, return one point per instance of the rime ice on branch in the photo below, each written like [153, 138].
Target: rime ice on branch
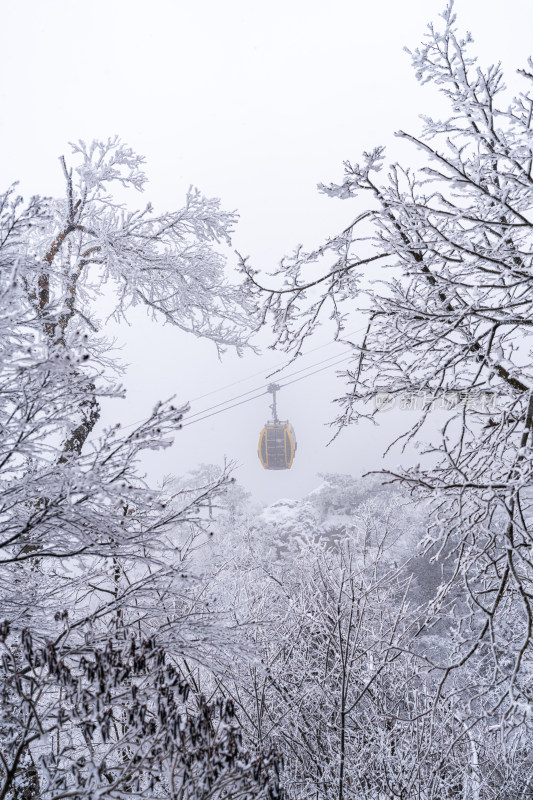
[91, 557]
[453, 312]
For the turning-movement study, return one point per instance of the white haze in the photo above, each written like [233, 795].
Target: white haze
[254, 103]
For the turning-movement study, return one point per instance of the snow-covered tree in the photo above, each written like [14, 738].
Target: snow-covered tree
[339, 671]
[439, 256]
[111, 719]
[83, 538]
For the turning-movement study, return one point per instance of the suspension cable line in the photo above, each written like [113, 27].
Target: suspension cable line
[338, 358]
[262, 394]
[276, 369]
[205, 413]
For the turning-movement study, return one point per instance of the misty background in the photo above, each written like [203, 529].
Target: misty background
[255, 104]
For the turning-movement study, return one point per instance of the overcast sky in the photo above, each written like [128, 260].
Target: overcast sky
[254, 103]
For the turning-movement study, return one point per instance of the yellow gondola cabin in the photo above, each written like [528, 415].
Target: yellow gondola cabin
[277, 441]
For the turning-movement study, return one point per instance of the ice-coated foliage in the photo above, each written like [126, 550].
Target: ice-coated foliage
[70, 503]
[439, 257]
[342, 668]
[110, 719]
[100, 606]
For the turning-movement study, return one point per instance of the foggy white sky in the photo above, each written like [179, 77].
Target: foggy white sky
[251, 102]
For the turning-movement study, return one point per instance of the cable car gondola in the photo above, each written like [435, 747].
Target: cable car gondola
[277, 442]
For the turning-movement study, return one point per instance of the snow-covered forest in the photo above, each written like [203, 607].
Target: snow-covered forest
[370, 640]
